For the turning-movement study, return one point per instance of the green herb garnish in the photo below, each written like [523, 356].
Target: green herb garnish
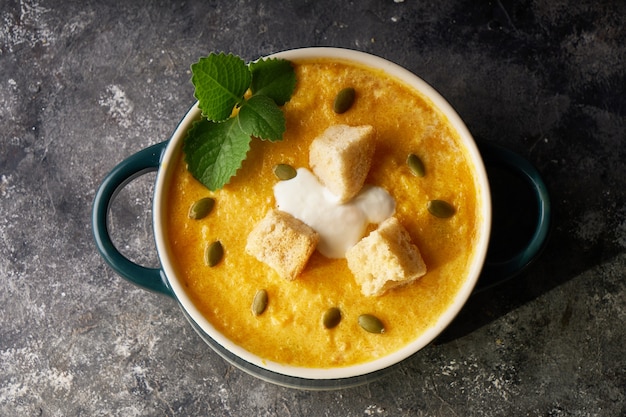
[216, 146]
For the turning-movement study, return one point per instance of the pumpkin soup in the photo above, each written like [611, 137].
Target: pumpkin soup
[292, 324]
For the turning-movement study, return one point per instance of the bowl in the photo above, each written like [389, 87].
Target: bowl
[163, 156]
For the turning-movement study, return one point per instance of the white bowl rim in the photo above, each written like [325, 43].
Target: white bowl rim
[334, 373]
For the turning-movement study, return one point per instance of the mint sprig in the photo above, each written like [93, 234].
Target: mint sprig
[216, 146]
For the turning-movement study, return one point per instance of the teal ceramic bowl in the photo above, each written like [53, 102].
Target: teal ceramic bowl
[481, 273]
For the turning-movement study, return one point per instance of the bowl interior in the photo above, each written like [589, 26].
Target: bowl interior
[277, 372]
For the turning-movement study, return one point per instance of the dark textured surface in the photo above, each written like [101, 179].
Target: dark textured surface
[87, 83]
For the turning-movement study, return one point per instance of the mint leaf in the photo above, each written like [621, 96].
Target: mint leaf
[216, 146]
[260, 116]
[214, 151]
[274, 78]
[220, 82]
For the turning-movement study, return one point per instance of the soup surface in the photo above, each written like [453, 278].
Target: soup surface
[290, 330]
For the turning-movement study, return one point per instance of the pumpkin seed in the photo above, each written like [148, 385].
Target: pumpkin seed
[285, 172]
[441, 209]
[201, 208]
[332, 317]
[416, 165]
[371, 323]
[344, 100]
[259, 304]
[214, 253]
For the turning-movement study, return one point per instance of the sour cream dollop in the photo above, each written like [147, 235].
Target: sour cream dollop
[340, 225]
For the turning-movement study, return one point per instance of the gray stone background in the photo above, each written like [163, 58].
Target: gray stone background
[85, 84]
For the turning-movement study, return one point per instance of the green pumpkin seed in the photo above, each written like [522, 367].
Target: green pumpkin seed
[441, 209]
[214, 253]
[285, 172]
[332, 317]
[201, 208]
[416, 165]
[371, 323]
[344, 100]
[259, 304]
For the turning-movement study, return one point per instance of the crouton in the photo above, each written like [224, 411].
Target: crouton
[282, 242]
[385, 259]
[341, 158]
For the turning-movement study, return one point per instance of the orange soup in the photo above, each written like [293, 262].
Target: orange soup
[290, 330]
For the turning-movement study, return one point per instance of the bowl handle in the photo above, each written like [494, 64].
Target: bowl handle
[144, 161]
[521, 214]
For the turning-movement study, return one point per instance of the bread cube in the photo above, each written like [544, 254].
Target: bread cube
[385, 259]
[341, 158]
[282, 242]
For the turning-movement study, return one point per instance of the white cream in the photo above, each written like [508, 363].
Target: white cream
[340, 226]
